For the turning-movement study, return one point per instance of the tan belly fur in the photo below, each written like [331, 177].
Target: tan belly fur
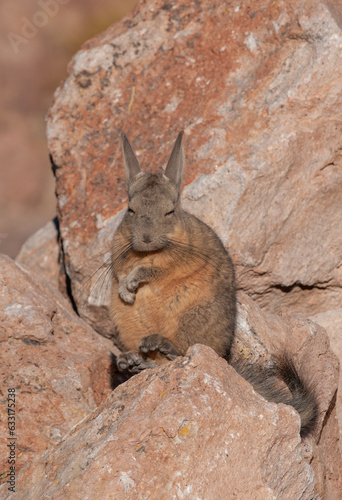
[157, 307]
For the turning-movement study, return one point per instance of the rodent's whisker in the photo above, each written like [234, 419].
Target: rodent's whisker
[123, 252]
[103, 274]
[105, 268]
[187, 247]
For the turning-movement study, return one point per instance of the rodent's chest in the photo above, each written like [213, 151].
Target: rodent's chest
[170, 296]
[160, 302]
[158, 307]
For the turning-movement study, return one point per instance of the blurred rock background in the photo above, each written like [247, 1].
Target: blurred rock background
[32, 67]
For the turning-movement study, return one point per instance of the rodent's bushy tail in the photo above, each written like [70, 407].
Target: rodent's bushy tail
[300, 394]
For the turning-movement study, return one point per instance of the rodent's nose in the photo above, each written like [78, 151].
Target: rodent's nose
[146, 238]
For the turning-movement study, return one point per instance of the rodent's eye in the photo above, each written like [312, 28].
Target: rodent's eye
[169, 214]
[130, 211]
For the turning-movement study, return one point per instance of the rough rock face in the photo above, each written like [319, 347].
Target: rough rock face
[332, 322]
[190, 429]
[40, 253]
[257, 90]
[57, 364]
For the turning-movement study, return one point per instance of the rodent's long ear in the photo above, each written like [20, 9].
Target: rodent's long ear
[174, 168]
[132, 166]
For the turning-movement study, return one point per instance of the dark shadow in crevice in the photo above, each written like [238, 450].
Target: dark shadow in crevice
[328, 415]
[290, 288]
[64, 280]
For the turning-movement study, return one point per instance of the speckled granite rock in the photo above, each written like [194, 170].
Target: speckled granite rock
[40, 253]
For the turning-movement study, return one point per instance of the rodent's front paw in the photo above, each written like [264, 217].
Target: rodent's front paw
[137, 276]
[125, 294]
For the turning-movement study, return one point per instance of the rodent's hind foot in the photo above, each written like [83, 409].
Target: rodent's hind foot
[159, 343]
[133, 362]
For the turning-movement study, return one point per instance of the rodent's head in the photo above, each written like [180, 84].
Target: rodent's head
[154, 210]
